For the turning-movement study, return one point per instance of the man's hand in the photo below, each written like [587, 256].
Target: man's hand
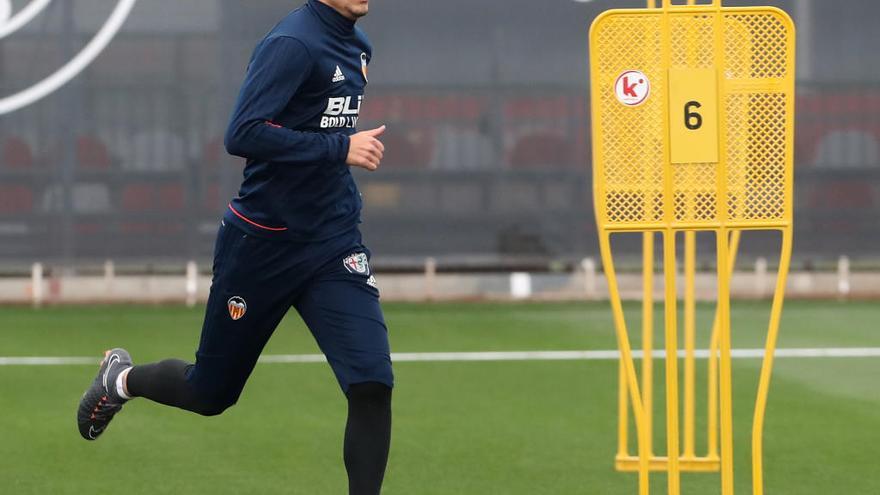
[365, 150]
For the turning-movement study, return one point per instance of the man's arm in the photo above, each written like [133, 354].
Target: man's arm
[280, 66]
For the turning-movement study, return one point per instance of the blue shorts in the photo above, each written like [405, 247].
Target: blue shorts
[256, 281]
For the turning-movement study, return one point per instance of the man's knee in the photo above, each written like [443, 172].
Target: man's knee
[214, 398]
[214, 404]
[374, 394]
[371, 376]
[213, 391]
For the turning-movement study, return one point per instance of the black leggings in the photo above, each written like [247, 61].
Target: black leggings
[367, 432]
[166, 382]
[367, 437]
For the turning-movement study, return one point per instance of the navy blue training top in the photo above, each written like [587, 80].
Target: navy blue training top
[297, 108]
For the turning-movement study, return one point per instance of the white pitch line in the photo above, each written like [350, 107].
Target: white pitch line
[408, 357]
[46, 361]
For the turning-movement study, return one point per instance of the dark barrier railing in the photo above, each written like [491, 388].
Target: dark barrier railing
[140, 173]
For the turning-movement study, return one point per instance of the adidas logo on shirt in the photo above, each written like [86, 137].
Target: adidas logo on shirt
[338, 76]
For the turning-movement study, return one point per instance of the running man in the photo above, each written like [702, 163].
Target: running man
[290, 239]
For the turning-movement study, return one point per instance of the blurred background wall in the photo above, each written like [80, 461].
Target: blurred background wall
[488, 144]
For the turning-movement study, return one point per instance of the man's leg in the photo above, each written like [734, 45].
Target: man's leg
[227, 354]
[249, 297]
[250, 294]
[341, 308]
[367, 436]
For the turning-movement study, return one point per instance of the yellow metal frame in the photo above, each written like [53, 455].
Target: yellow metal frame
[688, 461]
[638, 189]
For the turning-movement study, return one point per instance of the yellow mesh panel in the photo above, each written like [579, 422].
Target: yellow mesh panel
[695, 192]
[751, 183]
[692, 41]
[755, 46]
[634, 140]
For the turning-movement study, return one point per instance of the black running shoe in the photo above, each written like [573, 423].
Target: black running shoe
[100, 402]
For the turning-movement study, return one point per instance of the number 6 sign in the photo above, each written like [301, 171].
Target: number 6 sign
[693, 115]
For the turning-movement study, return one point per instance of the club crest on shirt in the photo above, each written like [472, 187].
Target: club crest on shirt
[357, 263]
[237, 307]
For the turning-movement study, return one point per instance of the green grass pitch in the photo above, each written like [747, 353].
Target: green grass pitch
[533, 427]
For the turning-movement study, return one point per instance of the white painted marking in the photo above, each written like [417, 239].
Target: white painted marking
[74, 67]
[47, 361]
[10, 24]
[5, 11]
[411, 357]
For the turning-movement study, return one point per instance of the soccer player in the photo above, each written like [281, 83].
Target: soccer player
[290, 238]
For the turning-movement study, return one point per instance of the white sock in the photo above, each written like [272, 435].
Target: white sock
[120, 383]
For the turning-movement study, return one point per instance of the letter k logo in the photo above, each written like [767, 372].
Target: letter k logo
[629, 89]
[632, 88]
